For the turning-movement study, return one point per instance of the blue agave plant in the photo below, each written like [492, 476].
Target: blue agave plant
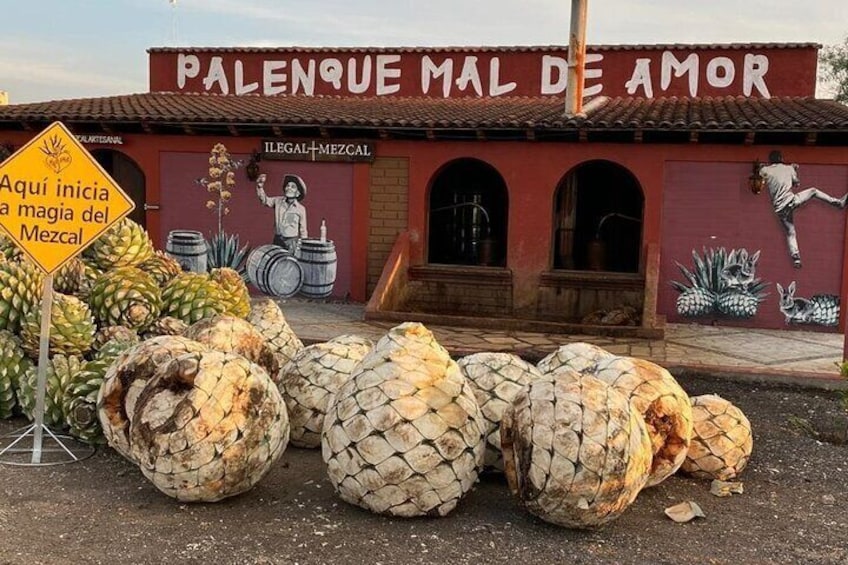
[224, 251]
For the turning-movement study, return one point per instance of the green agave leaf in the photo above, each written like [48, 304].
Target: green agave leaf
[680, 287]
[224, 251]
[688, 274]
[717, 262]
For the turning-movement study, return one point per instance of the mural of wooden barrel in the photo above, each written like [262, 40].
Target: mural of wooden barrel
[188, 248]
[318, 259]
[274, 271]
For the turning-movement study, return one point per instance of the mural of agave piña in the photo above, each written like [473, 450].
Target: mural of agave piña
[720, 283]
[821, 309]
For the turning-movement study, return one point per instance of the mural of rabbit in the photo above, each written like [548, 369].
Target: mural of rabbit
[822, 309]
[740, 269]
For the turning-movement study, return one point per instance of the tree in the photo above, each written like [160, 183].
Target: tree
[834, 64]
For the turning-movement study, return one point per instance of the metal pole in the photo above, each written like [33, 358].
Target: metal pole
[843, 293]
[43, 351]
[576, 58]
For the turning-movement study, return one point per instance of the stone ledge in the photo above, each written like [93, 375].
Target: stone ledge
[461, 274]
[594, 280]
[516, 324]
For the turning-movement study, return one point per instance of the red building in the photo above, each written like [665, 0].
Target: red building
[453, 184]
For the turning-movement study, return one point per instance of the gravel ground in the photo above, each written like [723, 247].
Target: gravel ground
[102, 510]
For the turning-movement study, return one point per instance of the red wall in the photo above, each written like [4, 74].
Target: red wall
[515, 71]
[329, 196]
[337, 191]
[705, 196]
[708, 204]
[532, 172]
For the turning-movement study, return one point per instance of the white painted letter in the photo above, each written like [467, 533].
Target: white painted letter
[641, 77]
[352, 86]
[756, 67]
[303, 79]
[689, 65]
[188, 66]
[593, 73]
[549, 63]
[242, 88]
[331, 71]
[216, 74]
[271, 79]
[430, 70]
[496, 89]
[383, 73]
[470, 74]
[728, 73]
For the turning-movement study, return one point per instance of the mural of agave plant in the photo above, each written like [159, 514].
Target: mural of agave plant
[721, 282]
[224, 250]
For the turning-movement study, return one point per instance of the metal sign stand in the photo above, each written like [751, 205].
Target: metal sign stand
[64, 453]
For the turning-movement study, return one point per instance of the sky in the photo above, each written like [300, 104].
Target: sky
[58, 49]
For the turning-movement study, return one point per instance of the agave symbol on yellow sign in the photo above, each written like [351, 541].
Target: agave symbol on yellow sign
[58, 157]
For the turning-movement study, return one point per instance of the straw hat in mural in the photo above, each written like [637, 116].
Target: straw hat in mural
[301, 186]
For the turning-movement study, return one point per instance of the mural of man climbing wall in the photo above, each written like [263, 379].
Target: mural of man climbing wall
[713, 205]
[782, 179]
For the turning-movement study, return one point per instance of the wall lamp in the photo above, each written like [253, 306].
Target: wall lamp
[756, 182]
[252, 167]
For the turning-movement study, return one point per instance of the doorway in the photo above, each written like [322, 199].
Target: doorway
[129, 177]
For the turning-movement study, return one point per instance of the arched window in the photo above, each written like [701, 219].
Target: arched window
[468, 215]
[598, 219]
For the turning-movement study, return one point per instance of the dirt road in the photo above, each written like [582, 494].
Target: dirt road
[103, 510]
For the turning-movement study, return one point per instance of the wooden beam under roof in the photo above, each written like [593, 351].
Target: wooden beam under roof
[277, 130]
[146, 127]
[481, 135]
[638, 136]
[107, 128]
[383, 133]
[431, 135]
[811, 138]
[325, 133]
[233, 130]
[583, 135]
[693, 136]
[188, 129]
[749, 137]
[530, 134]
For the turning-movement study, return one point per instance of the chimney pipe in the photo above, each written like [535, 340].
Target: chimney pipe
[576, 58]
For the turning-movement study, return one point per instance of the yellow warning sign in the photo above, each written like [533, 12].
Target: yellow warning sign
[55, 199]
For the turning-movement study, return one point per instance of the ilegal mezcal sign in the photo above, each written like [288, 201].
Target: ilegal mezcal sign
[317, 150]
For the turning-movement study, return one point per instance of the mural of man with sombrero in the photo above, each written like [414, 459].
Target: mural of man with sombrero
[289, 213]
